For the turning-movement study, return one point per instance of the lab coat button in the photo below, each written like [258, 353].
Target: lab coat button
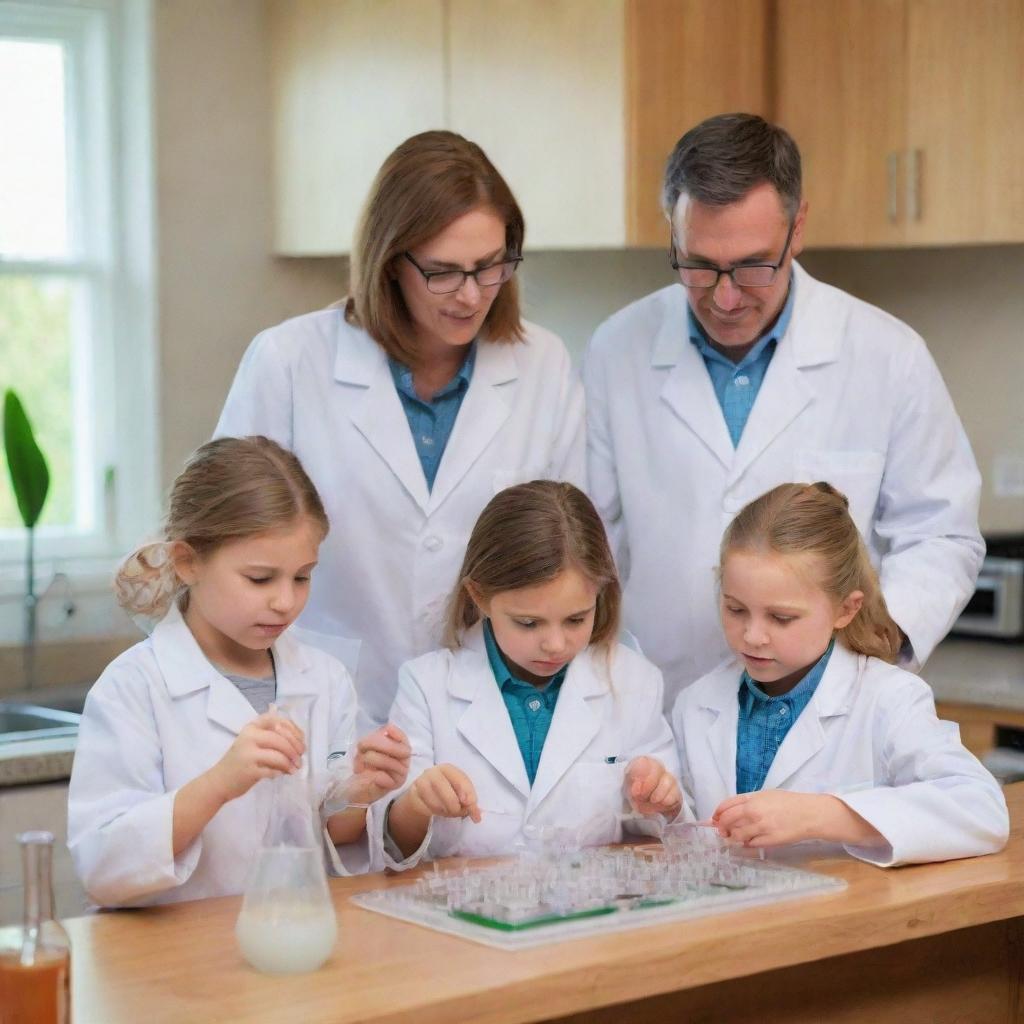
[433, 543]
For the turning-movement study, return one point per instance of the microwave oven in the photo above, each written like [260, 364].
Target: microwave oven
[996, 608]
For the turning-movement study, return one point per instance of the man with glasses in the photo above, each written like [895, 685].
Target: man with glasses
[751, 374]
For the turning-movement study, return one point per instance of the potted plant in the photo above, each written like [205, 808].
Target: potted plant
[30, 478]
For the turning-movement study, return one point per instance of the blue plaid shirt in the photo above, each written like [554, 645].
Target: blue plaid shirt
[432, 422]
[530, 707]
[737, 384]
[764, 722]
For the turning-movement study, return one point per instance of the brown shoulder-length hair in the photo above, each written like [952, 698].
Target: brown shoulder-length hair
[526, 536]
[814, 519]
[430, 180]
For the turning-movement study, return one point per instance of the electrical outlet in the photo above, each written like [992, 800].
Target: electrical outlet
[1008, 476]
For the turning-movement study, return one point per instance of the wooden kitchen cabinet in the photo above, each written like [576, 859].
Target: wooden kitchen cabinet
[909, 118]
[577, 102]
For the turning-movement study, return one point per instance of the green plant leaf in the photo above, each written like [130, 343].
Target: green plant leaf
[30, 476]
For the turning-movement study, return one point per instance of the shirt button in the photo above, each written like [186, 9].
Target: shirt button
[426, 439]
[742, 381]
[783, 711]
[433, 543]
[534, 705]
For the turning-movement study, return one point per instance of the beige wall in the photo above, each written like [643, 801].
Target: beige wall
[218, 285]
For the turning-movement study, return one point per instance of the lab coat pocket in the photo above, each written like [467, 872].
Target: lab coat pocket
[509, 477]
[857, 474]
[344, 648]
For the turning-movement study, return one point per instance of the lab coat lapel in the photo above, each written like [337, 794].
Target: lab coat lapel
[723, 709]
[377, 413]
[833, 697]
[688, 390]
[573, 725]
[812, 339]
[484, 723]
[186, 670]
[484, 409]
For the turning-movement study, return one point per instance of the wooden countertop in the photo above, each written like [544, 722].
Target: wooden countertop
[181, 963]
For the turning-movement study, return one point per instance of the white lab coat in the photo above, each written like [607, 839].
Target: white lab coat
[852, 396]
[452, 710]
[159, 716]
[869, 735]
[322, 388]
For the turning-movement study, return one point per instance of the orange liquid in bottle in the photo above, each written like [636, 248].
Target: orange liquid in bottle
[38, 993]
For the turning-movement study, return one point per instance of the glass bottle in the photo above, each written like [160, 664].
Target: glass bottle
[35, 959]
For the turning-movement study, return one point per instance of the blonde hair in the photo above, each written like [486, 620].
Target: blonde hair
[429, 181]
[814, 519]
[230, 489]
[526, 536]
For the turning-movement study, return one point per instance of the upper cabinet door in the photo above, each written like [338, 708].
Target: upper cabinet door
[965, 145]
[350, 80]
[840, 91]
[539, 85]
[685, 60]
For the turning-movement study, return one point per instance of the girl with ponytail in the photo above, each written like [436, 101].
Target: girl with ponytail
[164, 803]
[811, 732]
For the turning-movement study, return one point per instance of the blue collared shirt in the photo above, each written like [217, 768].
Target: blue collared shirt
[432, 422]
[530, 707]
[764, 722]
[737, 384]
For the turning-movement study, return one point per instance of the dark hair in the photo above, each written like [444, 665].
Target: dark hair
[721, 159]
[230, 489]
[814, 519]
[429, 181]
[527, 535]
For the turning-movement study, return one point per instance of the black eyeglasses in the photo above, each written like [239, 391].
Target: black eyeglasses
[746, 275]
[440, 282]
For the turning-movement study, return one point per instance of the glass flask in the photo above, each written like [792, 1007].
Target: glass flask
[287, 923]
[35, 959]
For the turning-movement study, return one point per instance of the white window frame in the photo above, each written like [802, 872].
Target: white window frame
[108, 104]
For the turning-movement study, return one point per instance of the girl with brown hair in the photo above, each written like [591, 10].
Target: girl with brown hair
[412, 403]
[163, 803]
[533, 715]
[812, 732]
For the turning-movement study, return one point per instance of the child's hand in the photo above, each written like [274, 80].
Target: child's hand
[442, 791]
[268, 746]
[381, 765]
[776, 817]
[651, 789]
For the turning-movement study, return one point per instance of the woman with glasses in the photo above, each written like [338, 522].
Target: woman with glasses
[412, 403]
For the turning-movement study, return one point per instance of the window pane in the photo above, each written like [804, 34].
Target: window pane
[35, 360]
[33, 171]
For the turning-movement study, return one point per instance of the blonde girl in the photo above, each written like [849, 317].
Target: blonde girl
[164, 803]
[532, 715]
[811, 731]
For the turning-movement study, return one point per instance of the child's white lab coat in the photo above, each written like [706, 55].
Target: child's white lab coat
[159, 716]
[452, 710]
[870, 736]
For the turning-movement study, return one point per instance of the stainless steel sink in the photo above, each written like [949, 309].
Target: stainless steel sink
[31, 722]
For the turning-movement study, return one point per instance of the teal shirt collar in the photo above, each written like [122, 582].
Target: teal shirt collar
[503, 675]
[775, 335]
[751, 693]
[402, 376]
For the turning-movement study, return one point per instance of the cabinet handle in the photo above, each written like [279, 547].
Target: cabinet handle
[893, 164]
[915, 170]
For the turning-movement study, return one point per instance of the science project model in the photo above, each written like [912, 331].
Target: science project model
[554, 889]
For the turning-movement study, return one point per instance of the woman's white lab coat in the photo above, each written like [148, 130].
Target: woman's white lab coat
[159, 716]
[323, 389]
[851, 396]
[452, 710]
[868, 735]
